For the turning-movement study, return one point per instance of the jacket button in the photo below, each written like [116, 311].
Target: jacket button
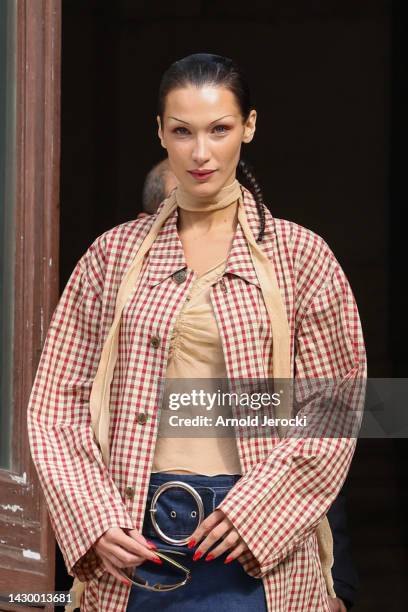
[155, 341]
[130, 492]
[180, 276]
[141, 418]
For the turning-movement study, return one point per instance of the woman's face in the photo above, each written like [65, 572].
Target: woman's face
[203, 129]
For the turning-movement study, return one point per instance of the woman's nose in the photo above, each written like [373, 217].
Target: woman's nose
[201, 152]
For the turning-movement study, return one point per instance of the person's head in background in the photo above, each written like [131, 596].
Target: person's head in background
[159, 183]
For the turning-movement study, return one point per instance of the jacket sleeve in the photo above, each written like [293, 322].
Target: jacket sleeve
[277, 505]
[82, 499]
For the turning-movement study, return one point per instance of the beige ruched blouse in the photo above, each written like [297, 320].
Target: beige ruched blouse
[196, 352]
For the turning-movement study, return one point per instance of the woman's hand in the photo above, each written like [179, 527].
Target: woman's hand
[217, 526]
[119, 548]
[336, 605]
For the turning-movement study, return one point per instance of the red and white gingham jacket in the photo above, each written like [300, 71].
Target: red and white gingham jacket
[287, 485]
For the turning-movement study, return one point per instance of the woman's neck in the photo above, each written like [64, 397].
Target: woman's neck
[209, 215]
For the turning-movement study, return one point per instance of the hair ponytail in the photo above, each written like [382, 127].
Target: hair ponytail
[252, 184]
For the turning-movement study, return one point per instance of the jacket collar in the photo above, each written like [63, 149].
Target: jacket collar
[166, 255]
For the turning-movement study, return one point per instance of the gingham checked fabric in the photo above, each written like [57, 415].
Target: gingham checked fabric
[287, 486]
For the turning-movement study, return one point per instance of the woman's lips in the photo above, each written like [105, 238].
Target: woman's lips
[201, 176]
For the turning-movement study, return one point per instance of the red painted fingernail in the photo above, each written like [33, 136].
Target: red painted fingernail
[209, 557]
[126, 582]
[228, 560]
[197, 555]
[151, 545]
[191, 543]
[157, 560]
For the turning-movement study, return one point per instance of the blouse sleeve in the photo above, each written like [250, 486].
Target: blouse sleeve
[82, 499]
[277, 505]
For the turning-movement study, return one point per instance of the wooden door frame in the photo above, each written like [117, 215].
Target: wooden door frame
[27, 551]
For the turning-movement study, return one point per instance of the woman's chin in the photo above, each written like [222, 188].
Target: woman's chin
[203, 189]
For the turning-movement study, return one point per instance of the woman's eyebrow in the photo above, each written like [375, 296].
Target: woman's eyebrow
[215, 120]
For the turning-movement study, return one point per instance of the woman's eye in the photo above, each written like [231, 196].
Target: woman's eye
[180, 128]
[222, 127]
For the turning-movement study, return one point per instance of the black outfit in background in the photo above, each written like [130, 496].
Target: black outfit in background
[344, 573]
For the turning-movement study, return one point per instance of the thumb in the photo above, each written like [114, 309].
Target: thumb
[136, 535]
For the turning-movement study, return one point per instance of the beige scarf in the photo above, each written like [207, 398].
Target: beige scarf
[100, 393]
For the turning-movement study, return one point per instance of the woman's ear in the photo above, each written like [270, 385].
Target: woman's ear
[160, 132]
[250, 126]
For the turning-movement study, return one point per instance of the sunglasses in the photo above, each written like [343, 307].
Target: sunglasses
[160, 552]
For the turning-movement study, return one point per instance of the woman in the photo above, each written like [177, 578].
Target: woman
[199, 290]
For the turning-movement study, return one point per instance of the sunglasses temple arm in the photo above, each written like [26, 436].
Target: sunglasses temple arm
[172, 561]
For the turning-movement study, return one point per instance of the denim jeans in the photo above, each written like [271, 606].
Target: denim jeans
[214, 586]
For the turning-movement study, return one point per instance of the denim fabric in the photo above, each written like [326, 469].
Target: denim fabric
[214, 586]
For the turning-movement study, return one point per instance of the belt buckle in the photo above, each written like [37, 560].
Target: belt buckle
[163, 487]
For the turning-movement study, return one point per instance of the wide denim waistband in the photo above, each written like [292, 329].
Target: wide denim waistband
[176, 509]
[219, 480]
